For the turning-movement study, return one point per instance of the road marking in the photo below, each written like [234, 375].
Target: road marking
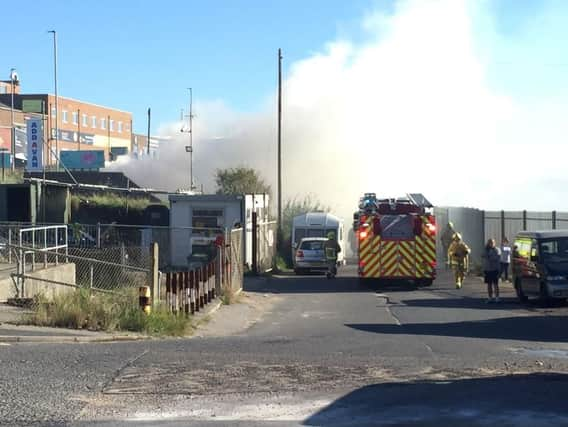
[387, 306]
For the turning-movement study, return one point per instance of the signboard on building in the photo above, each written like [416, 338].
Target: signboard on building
[73, 136]
[84, 159]
[35, 145]
[32, 106]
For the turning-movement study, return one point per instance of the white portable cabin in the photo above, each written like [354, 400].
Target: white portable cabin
[318, 224]
[219, 213]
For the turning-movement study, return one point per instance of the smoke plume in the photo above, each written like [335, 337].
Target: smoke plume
[408, 110]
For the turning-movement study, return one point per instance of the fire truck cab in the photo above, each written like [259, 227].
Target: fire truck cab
[396, 239]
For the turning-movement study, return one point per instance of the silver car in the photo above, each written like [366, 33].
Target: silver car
[310, 255]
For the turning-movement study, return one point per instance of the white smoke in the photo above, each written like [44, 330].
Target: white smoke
[410, 110]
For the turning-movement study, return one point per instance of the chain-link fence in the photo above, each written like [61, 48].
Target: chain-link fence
[40, 269]
[177, 244]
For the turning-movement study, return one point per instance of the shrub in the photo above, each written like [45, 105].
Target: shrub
[105, 312]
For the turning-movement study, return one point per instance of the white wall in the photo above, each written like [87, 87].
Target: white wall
[181, 214]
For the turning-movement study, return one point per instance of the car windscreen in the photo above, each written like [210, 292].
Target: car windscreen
[316, 245]
[554, 251]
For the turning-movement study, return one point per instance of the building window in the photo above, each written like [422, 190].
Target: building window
[120, 127]
[85, 120]
[53, 112]
[94, 122]
[103, 123]
[64, 116]
[75, 118]
[111, 125]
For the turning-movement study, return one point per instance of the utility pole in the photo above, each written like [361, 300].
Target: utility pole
[13, 80]
[190, 139]
[279, 234]
[108, 136]
[148, 141]
[56, 98]
[189, 148]
[79, 128]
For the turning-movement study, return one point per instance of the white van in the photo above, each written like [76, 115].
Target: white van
[318, 224]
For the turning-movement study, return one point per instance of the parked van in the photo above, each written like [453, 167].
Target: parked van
[540, 264]
[318, 224]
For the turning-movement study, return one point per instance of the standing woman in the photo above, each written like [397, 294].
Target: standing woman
[491, 268]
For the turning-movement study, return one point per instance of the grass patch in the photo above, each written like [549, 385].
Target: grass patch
[281, 266]
[105, 312]
[111, 201]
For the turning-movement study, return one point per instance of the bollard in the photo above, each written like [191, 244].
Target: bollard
[144, 299]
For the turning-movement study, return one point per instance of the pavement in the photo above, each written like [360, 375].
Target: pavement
[307, 351]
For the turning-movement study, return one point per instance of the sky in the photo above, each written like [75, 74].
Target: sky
[138, 54]
[450, 98]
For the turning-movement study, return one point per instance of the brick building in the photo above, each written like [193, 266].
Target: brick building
[81, 125]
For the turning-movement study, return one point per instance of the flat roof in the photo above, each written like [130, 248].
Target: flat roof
[72, 99]
[205, 197]
[543, 234]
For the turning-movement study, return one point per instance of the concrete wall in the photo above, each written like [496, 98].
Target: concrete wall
[64, 273]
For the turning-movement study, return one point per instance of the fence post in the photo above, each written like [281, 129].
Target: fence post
[91, 276]
[10, 245]
[201, 287]
[155, 276]
[174, 292]
[210, 282]
[502, 224]
[186, 292]
[179, 292]
[98, 235]
[197, 285]
[524, 220]
[33, 247]
[45, 248]
[218, 268]
[554, 220]
[168, 290]
[254, 242]
[192, 291]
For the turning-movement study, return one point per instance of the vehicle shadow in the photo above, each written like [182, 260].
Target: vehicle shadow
[526, 328]
[305, 285]
[528, 399]
[509, 303]
[464, 303]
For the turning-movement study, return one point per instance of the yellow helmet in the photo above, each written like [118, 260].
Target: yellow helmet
[331, 235]
[457, 237]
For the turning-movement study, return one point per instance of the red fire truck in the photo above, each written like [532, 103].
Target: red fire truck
[396, 238]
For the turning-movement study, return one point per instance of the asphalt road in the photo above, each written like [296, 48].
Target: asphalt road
[323, 353]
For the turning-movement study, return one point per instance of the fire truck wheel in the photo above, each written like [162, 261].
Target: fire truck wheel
[426, 282]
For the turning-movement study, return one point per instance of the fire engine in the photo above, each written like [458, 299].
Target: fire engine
[396, 238]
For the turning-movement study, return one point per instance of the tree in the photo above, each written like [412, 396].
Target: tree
[240, 180]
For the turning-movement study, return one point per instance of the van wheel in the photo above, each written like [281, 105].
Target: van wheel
[543, 296]
[520, 294]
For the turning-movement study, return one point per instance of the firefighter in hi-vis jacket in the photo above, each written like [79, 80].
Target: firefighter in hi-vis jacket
[458, 255]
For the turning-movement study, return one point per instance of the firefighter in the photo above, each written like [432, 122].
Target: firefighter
[446, 239]
[458, 254]
[331, 249]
